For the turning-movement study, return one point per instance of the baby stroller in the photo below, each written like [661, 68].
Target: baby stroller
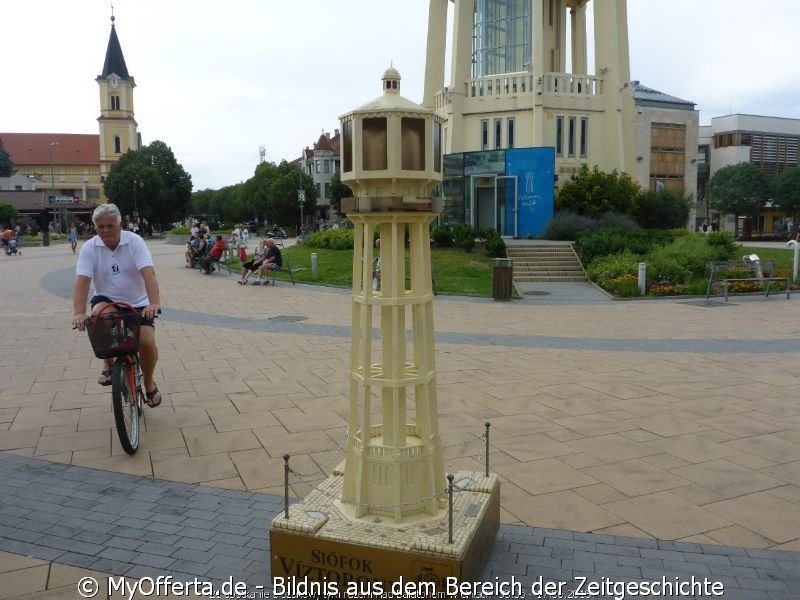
[13, 247]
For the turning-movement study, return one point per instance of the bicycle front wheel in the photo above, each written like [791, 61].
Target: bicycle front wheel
[126, 411]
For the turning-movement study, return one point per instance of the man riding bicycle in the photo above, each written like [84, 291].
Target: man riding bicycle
[119, 264]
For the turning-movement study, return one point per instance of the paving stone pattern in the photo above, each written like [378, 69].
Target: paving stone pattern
[141, 527]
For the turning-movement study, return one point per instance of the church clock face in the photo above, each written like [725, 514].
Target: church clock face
[114, 83]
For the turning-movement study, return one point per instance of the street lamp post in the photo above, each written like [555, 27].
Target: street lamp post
[45, 228]
[301, 196]
[135, 206]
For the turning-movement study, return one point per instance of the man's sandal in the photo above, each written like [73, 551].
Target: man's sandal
[153, 397]
[105, 378]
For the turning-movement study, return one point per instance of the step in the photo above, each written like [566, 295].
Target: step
[575, 271]
[550, 279]
[544, 263]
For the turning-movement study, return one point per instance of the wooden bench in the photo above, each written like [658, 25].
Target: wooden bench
[749, 269]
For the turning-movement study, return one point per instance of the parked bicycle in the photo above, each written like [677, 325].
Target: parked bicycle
[114, 334]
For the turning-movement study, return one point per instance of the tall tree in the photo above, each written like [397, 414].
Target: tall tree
[786, 193]
[7, 212]
[664, 209]
[338, 191]
[593, 193]
[6, 166]
[152, 182]
[739, 190]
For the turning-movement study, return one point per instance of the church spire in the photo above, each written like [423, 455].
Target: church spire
[115, 61]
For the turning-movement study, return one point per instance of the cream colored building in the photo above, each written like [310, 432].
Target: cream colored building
[512, 87]
[665, 138]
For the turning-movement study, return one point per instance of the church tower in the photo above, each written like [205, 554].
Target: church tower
[118, 127]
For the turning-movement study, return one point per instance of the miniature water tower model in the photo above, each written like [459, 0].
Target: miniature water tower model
[389, 512]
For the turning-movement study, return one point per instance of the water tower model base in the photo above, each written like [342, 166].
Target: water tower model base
[324, 543]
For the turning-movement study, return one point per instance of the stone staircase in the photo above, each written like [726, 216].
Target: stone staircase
[544, 261]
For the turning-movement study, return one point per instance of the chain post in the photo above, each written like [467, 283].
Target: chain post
[286, 486]
[487, 446]
[450, 478]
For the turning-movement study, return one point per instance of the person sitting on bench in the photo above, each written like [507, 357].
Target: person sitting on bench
[272, 262]
[251, 266]
[213, 255]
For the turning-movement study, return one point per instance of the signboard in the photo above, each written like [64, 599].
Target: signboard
[534, 169]
[62, 199]
[301, 196]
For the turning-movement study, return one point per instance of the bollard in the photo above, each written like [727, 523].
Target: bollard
[450, 478]
[285, 486]
[313, 266]
[487, 446]
[642, 278]
[796, 253]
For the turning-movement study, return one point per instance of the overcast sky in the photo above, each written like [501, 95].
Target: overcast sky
[216, 80]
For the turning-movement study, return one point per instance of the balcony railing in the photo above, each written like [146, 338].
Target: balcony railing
[513, 84]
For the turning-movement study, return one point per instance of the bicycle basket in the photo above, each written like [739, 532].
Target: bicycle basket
[114, 333]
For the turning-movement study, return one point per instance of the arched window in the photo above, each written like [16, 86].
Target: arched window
[117, 144]
[114, 102]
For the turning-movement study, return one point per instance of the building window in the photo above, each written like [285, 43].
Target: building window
[319, 190]
[484, 134]
[117, 145]
[373, 134]
[498, 133]
[584, 135]
[412, 151]
[510, 139]
[347, 146]
[326, 166]
[501, 41]
[571, 137]
[559, 136]
[437, 147]
[318, 166]
[114, 102]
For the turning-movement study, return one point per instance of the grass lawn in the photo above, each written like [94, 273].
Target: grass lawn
[456, 271]
[783, 257]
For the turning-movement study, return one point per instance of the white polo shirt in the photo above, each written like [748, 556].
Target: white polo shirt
[117, 273]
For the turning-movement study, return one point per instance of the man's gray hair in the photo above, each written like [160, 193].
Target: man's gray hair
[106, 210]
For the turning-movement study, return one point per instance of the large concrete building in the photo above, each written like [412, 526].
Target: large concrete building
[515, 84]
[770, 143]
[512, 87]
[66, 171]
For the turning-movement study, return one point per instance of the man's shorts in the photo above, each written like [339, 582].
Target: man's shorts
[98, 299]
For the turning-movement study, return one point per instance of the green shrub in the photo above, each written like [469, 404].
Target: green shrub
[617, 221]
[667, 269]
[180, 231]
[722, 243]
[464, 236]
[605, 269]
[565, 226]
[333, 239]
[495, 245]
[442, 236]
[591, 244]
[627, 288]
[685, 258]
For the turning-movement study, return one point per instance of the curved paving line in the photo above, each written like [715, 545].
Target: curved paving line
[60, 282]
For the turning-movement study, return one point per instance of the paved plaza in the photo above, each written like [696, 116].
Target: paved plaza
[633, 439]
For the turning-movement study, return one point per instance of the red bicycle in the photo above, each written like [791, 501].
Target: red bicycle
[114, 334]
